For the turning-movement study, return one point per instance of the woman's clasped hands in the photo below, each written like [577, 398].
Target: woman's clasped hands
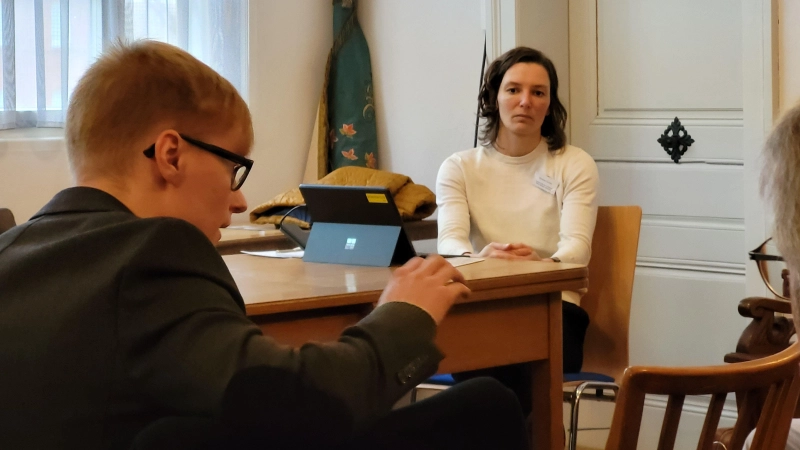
[516, 250]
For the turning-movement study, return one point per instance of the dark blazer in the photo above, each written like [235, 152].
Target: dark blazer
[109, 322]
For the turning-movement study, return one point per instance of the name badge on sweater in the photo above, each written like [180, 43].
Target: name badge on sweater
[545, 183]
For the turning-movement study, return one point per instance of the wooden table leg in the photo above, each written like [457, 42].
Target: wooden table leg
[547, 416]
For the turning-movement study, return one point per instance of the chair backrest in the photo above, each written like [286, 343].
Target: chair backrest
[608, 300]
[6, 220]
[777, 375]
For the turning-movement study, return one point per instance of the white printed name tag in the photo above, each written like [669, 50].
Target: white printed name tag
[545, 183]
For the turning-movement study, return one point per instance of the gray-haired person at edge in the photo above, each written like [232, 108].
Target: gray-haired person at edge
[780, 185]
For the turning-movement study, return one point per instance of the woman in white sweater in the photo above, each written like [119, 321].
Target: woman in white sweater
[523, 194]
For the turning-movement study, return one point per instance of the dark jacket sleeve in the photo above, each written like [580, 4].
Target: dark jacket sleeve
[183, 334]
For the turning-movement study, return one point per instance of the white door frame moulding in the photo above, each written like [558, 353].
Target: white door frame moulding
[501, 27]
[760, 101]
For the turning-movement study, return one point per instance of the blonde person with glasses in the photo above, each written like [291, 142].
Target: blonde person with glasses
[780, 182]
[122, 328]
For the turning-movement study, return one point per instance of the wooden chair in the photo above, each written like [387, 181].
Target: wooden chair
[6, 220]
[769, 332]
[778, 375]
[608, 303]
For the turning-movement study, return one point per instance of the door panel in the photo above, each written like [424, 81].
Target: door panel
[695, 190]
[684, 311]
[658, 58]
[709, 243]
[635, 139]
[635, 65]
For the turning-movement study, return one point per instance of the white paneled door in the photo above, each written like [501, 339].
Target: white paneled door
[636, 65]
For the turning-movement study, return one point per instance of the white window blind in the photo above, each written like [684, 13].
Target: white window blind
[48, 44]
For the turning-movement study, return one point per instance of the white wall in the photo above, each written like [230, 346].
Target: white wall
[426, 63]
[540, 25]
[289, 44]
[789, 53]
[33, 167]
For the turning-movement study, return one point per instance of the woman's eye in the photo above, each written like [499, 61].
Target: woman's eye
[512, 90]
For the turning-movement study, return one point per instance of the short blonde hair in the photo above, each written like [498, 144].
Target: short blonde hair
[132, 88]
[780, 183]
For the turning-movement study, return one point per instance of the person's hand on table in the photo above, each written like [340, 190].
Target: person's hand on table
[431, 284]
[518, 251]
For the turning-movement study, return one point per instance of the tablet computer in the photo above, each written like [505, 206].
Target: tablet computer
[357, 225]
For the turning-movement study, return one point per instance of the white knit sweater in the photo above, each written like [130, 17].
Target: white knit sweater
[544, 199]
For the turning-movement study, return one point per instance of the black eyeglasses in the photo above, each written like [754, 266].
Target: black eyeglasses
[240, 170]
[771, 266]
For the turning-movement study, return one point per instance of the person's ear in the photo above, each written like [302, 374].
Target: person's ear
[169, 157]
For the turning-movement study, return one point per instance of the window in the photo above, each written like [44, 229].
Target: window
[55, 24]
[48, 44]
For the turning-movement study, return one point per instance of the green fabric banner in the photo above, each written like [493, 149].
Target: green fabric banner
[352, 135]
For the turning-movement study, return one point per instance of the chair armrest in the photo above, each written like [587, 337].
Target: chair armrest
[758, 306]
[767, 334]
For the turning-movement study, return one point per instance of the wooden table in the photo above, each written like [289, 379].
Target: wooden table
[512, 316]
[267, 237]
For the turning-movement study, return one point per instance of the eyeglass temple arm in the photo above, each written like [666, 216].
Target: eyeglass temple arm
[786, 285]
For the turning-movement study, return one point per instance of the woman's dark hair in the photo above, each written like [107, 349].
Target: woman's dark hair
[554, 122]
